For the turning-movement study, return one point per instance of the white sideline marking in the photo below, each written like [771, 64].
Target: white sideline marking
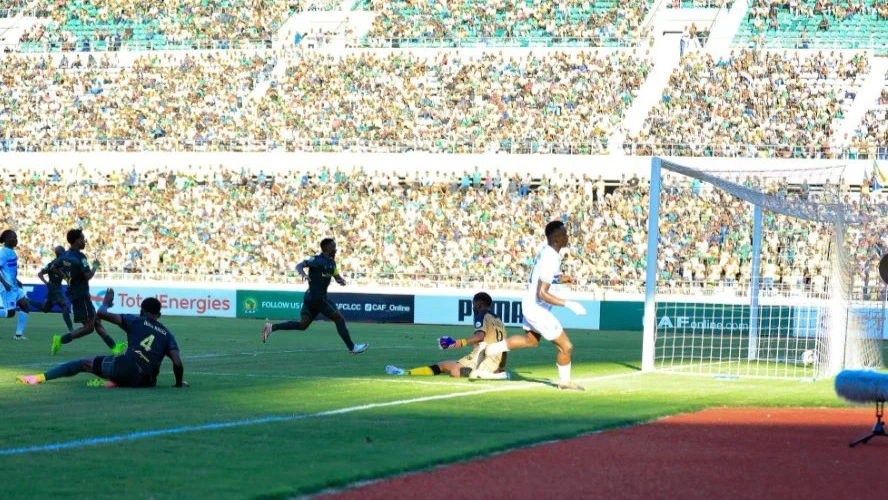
[80, 443]
[390, 380]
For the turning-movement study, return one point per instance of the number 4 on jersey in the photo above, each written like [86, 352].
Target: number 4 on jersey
[147, 343]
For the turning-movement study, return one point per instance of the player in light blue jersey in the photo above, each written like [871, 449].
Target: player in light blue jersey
[12, 295]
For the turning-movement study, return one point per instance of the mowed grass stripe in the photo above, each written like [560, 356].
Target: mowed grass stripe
[80, 443]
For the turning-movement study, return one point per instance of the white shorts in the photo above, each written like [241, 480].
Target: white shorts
[541, 320]
[11, 298]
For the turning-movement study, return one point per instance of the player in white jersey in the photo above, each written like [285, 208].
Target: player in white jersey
[537, 307]
[12, 294]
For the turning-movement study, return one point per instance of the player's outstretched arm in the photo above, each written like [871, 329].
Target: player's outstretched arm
[447, 342]
[546, 296]
[107, 303]
[178, 369]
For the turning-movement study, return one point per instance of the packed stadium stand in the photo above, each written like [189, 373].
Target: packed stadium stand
[602, 79]
[563, 102]
[780, 104]
[454, 23]
[133, 24]
[804, 24]
[210, 222]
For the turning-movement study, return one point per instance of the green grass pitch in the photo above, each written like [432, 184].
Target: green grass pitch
[300, 414]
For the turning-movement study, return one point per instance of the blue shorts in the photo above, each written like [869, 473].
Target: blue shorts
[84, 310]
[122, 372]
[312, 308]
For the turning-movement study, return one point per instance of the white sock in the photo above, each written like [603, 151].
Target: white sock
[20, 326]
[564, 372]
[496, 348]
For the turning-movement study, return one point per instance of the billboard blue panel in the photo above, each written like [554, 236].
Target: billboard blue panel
[381, 308]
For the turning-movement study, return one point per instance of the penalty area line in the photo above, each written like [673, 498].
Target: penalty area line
[133, 436]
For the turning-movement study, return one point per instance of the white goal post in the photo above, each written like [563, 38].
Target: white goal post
[749, 273]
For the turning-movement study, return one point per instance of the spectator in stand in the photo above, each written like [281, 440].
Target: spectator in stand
[210, 221]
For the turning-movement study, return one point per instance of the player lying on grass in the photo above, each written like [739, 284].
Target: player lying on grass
[149, 342]
[488, 329]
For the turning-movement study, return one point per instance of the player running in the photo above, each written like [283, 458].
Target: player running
[321, 269]
[74, 268]
[537, 307]
[54, 294]
[489, 329]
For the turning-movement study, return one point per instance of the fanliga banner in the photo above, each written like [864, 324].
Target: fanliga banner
[382, 308]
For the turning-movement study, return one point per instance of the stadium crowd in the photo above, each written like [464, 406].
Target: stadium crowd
[222, 223]
[92, 99]
[486, 103]
[764, 13]
[558, 103]
[141, 20]
[752, 104]
[872, 133]
[9, 8]
[747, 104]
[601, 21]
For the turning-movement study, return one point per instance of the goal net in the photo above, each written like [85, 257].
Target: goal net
[761, 273]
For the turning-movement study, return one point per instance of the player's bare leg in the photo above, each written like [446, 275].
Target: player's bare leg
[563, 360]
[115, 347]
[304, 322]
[530, 339]
[342, 330]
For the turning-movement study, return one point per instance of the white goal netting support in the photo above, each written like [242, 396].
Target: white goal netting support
[761, 273]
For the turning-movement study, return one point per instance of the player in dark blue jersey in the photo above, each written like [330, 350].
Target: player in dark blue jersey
[74, 268]
[54, 294]
[489, 328]
[149, 343]
[321, 270]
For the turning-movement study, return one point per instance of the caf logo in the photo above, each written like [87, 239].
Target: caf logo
[250, 305]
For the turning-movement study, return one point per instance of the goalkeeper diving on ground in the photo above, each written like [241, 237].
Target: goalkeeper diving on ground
[489, 328]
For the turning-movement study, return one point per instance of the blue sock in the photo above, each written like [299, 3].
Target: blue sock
[68, 369]
[20, 326]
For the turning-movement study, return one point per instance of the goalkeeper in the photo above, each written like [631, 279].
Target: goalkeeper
[488, 329]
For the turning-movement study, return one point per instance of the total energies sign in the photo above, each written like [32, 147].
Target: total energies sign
[173, 301]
